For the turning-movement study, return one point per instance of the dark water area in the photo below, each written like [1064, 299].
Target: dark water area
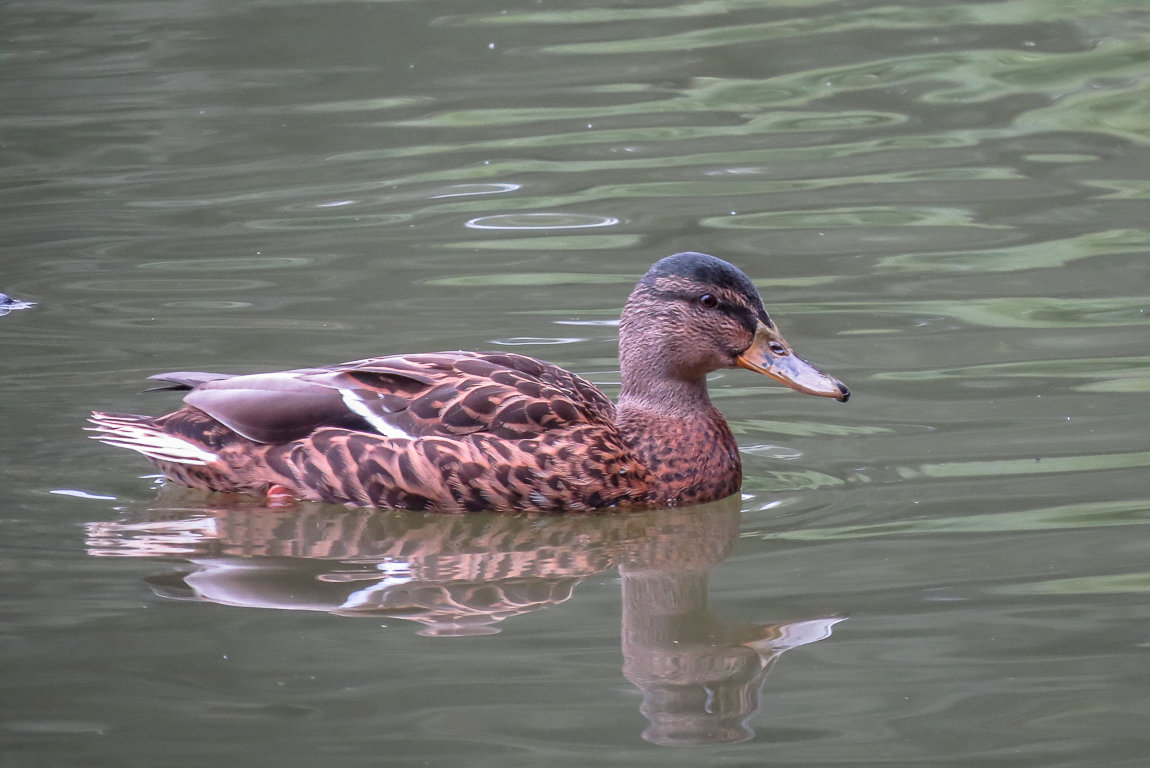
[943, 203]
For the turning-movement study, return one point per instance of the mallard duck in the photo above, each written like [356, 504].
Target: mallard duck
[463, 431]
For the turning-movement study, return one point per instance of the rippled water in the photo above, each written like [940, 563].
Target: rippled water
[943, 203]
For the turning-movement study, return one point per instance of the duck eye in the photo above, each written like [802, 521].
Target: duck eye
[708, 301]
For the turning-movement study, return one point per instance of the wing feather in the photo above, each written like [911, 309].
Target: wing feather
[446, 394]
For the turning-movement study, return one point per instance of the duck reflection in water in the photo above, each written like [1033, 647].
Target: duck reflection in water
[458, 575]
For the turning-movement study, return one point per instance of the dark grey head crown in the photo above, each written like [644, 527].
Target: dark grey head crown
[707, 270]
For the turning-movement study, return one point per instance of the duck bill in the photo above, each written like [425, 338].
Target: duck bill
[771, 355]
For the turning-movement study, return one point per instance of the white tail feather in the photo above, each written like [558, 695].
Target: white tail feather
[137, 433]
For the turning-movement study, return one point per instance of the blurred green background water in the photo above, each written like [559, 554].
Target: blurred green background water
[943, 203]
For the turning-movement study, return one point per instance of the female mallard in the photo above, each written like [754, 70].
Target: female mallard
[462, 431]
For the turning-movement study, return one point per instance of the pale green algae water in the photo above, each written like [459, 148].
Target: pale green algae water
[943, 203]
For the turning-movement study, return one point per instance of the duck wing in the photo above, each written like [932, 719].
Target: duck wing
[447, 394]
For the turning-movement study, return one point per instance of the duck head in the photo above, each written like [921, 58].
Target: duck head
[692, 314]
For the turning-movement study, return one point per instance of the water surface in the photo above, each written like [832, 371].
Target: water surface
[943, 204]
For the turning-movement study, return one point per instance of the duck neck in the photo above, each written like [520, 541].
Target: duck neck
[675, 431]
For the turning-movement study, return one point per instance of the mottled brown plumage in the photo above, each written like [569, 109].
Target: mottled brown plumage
[462, 431]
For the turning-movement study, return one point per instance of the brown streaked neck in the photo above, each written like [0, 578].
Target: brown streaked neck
[653, 376]
[648, 385]
[674, 430]
[689, 451]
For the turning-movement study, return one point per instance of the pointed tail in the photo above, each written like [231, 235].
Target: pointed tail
[142, 434]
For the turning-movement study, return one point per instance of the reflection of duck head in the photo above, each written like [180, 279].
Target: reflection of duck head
[463, 574]
[700, 675]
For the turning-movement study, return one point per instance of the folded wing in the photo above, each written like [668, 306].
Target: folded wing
[446, 394]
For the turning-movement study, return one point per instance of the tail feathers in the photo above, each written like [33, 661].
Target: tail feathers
[182, 381]
[140, 433]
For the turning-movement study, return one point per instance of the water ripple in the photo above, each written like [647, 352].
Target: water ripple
[533, 221]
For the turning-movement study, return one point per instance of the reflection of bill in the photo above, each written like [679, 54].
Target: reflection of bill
[700, 676]
[464, 574]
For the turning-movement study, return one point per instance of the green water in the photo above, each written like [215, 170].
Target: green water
[944, 204]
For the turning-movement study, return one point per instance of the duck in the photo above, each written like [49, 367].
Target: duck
[489, 431]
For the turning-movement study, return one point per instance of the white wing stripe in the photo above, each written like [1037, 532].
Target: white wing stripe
[356, 403]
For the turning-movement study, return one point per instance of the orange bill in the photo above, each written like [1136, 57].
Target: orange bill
[771, 355]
